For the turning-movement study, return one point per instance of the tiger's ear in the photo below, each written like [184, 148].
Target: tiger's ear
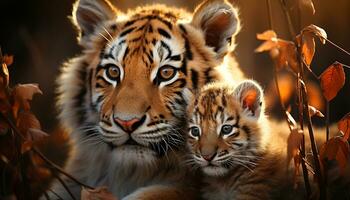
[219, 21]
[250, 96]
[89, 14]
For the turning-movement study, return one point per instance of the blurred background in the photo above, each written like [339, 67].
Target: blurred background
[40, 36]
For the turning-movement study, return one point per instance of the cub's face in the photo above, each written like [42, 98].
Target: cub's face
[136, 69]
[224, 127]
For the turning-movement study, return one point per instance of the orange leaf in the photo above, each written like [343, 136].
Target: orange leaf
[26, 121]
[288, 55]
[336, 149]
[314, 112]
[100, 193]
[319, 32]
[266, 46]
[307, 48]
[26, 146]
[267, 35]
[309, 5]
[344, 126]
[332, 80]
[22, 94]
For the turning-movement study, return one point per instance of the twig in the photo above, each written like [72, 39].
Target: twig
[288, 17]
[65, 186]
[269, 9]
[49, 162]
[327, 121]
[335, 45]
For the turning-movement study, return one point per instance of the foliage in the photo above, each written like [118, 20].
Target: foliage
[296, 56]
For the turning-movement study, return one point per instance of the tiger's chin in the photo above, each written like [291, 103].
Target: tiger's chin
[134, 155]
[211, 170]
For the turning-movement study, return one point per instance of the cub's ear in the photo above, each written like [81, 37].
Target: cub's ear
[219, 21]
[250, 96]
[89, 14]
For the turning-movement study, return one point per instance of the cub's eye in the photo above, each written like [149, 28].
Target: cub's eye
[226, 129]
[166, 73]
[113, 72]
[195, 132]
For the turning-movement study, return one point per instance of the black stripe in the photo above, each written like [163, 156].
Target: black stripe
[208, 78]
[194, 79]
[183, 67]
[175, 58]
[164, 33]
[167, 48]
[183, 29]
[126, 53]
[188, 52]
[127, 31]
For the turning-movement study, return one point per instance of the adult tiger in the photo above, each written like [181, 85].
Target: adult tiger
[123, 98]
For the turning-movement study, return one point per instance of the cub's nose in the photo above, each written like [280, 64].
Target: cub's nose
[129, 125]
[209, 157]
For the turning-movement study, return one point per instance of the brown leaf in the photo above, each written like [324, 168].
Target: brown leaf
[332, 80]
[336, 149]
[100, 193]
[314, 112]
[7, 59]
[307, 48]
[26, 146]
[319, 32]
[36, 134]
[308, 4]
[344, 126]
[23, 93]
[294, 141]
[26, 121]
[288, 55]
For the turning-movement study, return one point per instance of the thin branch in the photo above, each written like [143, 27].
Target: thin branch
[49, 162]
[269, 9]
[335, 45]
[288, 17]
[65, 186]
[327, 121]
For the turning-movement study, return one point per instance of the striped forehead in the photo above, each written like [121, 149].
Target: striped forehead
[149, 40]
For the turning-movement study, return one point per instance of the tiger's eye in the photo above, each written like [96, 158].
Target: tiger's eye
[113, 72]
[195, 132]
[166, 73]
[226, 129]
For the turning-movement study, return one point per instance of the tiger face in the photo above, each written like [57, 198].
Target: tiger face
[224, 127]
[128, 88]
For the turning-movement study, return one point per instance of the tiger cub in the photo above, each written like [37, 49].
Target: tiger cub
[230, 142]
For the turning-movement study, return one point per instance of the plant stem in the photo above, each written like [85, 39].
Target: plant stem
[327, 121]
[268, 6]
[42, 156]
[288, 17]
[335, 45]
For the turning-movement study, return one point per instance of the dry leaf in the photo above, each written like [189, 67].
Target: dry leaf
[36, 134]
[336, 149]
[344, 126]
[332, 80]
[26, 146]
[7, 59]
[319, 32]
[308, 4]
[294, 141]
[267, 35]
[288, 55]
[26, 121]
[100, 193]
[307, 47]
[314, 112]
[291, 120]
[23, 93]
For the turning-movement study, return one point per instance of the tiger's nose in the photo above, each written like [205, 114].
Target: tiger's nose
[209, 157]
[129, 125]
